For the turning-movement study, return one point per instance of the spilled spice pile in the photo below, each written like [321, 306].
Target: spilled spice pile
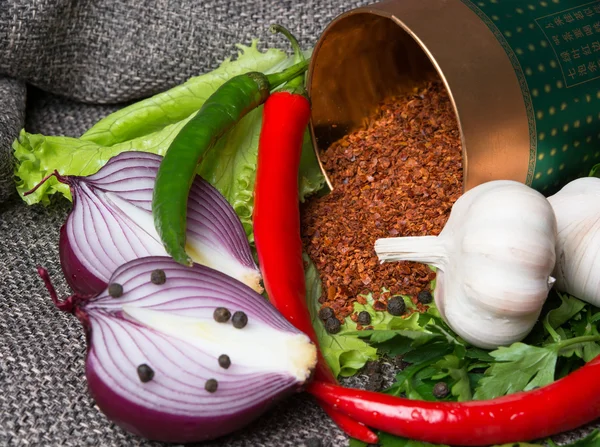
[398, 177]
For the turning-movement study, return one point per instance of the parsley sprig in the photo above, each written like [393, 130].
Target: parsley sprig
[565, 337]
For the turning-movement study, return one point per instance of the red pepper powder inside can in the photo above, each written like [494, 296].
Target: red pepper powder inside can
[399, 176]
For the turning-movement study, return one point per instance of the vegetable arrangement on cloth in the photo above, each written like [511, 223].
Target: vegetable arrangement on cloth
[181, 346]
[183, 354]
[110, 227]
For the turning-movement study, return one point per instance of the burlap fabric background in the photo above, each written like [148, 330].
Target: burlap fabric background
[64, 64]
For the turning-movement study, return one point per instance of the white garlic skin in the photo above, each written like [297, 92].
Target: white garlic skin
[494, 259]
[577, 210]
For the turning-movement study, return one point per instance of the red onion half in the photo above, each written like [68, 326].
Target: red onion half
[160, 365]
[111, 223]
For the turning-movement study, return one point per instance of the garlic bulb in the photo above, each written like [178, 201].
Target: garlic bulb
[577, 210]
[494, 259]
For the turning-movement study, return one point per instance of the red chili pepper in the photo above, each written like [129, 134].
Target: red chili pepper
[356, 430]
[276, 221]
[563, 405]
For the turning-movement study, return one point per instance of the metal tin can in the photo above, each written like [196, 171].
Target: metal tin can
[523, 77]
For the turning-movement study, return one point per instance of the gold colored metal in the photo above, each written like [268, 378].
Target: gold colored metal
[370, 53]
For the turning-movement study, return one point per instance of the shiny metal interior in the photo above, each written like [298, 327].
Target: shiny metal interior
[362, 60]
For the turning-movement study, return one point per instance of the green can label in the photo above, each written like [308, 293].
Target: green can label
[554, 47]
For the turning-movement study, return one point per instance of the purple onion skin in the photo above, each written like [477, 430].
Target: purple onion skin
[157, 426]
[174, 406]
[79, 278]
[142, 167]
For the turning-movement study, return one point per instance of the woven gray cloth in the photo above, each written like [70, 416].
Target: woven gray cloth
[12, 117]
[64, 64]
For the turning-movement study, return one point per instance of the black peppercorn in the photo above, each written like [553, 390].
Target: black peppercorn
[211, 385]
[145, 373]
[332, 325]
[364, 318]
[425, 297]
[224, 361]
[115, 290]
[326, 313]
[239, 319]
[396, 305]
[441, 390]
[221, 315]
[158, 277]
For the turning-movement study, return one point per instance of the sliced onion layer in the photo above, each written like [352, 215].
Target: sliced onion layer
[111, 223]
[185, 392]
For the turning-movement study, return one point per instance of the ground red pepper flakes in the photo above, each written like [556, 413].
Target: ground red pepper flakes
[399, 176]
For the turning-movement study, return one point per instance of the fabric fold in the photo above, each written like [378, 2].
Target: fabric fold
[13, 94]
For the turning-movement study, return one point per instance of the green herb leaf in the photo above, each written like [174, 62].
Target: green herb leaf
[404, 383]
[566, 365]
[397, 345]
[344, 355]
[478, 354]
[570, 306]
[590, 351]
[430, 351]
[436, 325]
[456, 369]
[417, 380]
[519, 367]
[580, 337]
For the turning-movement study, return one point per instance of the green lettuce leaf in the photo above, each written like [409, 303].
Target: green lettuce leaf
[39, 156]
[310, 177]
[150, 126]
[153, 114]
[344, 355]
[231, 167]
[384, 321]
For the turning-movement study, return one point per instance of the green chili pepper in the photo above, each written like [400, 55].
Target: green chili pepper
[221, 111]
